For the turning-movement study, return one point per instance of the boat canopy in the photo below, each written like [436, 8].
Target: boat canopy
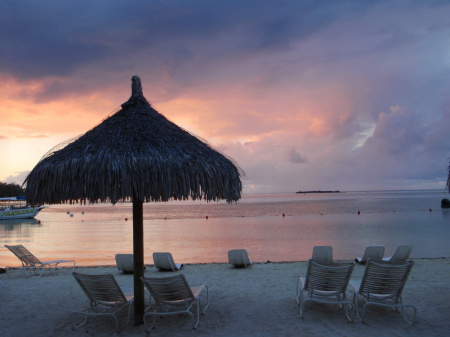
[13, 198]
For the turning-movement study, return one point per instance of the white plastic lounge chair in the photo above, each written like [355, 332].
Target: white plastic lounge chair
[29, 261]
[124, 263]
[239, 258]
[173, 295]
[382, 284]
[402, 253]
[164, 262]
[106, 298]
[322, 253]
[371, 252]
[326, 282]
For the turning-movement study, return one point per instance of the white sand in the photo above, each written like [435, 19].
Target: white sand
[258, 301]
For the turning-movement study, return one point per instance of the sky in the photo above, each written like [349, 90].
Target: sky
[303, 95]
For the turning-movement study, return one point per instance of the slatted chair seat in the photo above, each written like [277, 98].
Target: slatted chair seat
[173, 295]
[106, 298]
[29, 261]
[325, 282]
[382, 284]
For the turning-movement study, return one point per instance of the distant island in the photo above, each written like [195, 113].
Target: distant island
[304, 192]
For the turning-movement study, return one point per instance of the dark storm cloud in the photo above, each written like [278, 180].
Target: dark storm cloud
[54, 38]
[42, 39]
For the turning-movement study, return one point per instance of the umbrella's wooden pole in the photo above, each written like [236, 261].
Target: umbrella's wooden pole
[138, 257]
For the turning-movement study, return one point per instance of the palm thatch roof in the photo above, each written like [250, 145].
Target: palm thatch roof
[138, 154]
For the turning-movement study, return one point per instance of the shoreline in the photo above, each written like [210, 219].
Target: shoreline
[18, 267]
[256, 301]
[226, 263]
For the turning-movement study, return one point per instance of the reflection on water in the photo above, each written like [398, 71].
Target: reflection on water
[18, 224]
[92, 235]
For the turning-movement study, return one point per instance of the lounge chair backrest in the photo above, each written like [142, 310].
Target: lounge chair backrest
[322, 253]
[24, 255]
[238, 257]
[373, 252]
[125, 262]
[169, 289]
[328, 276]
[385, 278]
[401, 253]
[101, 288]
[164, 261]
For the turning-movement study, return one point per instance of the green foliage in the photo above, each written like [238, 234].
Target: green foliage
[10, 190]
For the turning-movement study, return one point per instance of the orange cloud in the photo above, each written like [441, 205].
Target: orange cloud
[24, 117]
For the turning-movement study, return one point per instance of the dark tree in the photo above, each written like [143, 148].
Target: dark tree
[10, 190]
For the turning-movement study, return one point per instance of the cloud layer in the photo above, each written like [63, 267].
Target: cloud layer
[345, 95]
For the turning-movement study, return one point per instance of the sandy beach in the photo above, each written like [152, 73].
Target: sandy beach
[257, 301]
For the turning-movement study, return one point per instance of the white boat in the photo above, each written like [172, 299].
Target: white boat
[17, 208]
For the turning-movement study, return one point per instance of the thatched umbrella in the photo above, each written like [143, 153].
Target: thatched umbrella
[135, 154]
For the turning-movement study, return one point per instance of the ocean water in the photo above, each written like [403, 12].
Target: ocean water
[272, 227]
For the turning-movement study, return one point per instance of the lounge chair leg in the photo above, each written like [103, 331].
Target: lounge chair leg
[356, 305]
[363, 313]
[349, 312]
[76, 326]
[193, 319]
[117, 323]
[414, 310]
[302, 308]
[297, 292]
[147, 328]
[203, 310]
[301, 304]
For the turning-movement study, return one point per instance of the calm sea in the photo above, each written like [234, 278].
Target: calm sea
[272, 227]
